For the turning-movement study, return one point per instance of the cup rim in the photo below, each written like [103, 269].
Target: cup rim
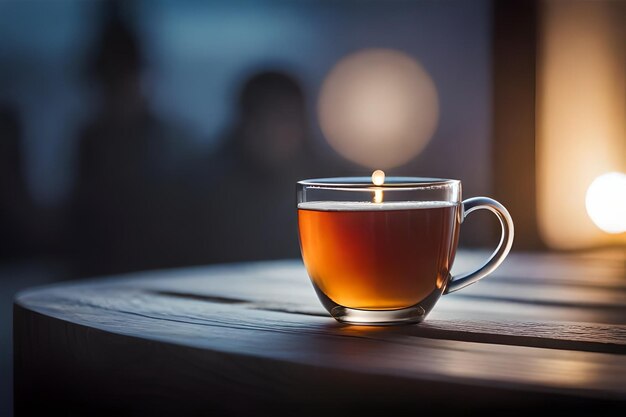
[390, 182]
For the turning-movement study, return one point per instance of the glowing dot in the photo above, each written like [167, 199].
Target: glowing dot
[378, 108]
[606, 202]
[378, 177]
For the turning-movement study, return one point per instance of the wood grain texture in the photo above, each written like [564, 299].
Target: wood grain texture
[257, 332]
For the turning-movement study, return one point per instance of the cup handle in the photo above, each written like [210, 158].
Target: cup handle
[506, 241]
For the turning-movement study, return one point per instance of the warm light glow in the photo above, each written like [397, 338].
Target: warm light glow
[581, 79]
[378, 177]
[378, 108]
[606, 202]
[378, 196]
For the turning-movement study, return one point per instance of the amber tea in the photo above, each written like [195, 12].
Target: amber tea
[378, 256]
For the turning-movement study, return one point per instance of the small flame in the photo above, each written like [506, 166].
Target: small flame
[378, 178]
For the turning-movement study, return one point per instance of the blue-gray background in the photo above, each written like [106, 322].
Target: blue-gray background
[199, 52]
[197, 56]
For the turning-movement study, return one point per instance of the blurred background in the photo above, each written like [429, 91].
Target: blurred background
[152, 134]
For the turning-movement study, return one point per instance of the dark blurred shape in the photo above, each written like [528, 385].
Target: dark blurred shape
[513, 151]
[118, 59]
[248, 203]
[27, 230]
[15, 203]
[126, 160]
[134, 207]
[272, 126]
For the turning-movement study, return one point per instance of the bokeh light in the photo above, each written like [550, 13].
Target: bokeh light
[606, 202]
[378, 108]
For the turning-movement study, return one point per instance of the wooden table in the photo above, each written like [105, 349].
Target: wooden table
[545, 332]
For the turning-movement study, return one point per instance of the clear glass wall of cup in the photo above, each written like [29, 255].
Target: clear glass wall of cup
[382, 255]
